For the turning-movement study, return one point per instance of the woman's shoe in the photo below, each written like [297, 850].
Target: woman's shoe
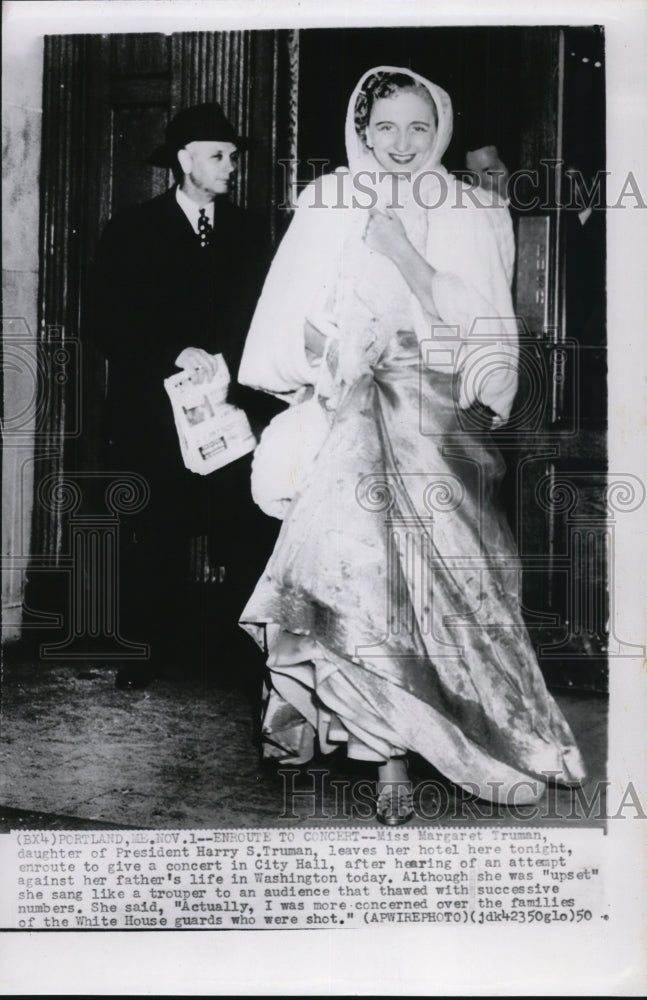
[395, 803]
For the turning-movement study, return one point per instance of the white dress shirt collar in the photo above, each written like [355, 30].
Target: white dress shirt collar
[191, 210]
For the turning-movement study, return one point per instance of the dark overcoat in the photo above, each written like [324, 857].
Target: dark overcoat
[156, 292]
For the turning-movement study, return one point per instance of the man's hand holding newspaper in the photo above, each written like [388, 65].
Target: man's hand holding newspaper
[212, 432]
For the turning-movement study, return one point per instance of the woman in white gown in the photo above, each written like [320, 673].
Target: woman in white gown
[390, 604]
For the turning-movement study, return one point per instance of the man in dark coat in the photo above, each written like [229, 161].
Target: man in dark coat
[177, 279]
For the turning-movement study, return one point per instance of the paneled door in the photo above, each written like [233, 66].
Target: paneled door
[536, 93]
[107, 101]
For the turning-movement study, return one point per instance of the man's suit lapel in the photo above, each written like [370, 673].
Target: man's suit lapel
[175, 221]
[226, 221]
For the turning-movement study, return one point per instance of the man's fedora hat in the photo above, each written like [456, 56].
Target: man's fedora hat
[202, 122]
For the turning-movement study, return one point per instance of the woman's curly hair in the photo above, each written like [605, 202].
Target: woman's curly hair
[385, 84]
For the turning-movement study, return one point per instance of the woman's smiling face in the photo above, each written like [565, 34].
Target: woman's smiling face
[401, 131]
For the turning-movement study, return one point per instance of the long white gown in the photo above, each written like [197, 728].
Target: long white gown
[391, 602]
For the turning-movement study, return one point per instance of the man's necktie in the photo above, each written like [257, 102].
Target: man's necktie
[205, 229]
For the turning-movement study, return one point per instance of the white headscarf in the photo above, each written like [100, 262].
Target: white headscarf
[323, 271]
[360, 157]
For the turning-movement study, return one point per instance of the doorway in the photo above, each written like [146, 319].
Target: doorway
[535, 93]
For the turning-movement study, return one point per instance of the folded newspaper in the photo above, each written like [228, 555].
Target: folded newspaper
[212, 432]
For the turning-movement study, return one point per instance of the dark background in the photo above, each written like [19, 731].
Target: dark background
[535, 93]
[497, 78]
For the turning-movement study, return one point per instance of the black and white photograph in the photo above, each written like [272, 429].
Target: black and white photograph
[323, 509]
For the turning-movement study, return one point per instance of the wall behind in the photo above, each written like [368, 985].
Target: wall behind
[22, 73]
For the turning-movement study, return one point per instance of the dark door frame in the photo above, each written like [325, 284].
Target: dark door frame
[255, 75]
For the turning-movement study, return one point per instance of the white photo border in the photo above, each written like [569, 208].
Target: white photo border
[467, 961]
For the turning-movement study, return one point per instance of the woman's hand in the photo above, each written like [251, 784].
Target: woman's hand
[385, 233]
